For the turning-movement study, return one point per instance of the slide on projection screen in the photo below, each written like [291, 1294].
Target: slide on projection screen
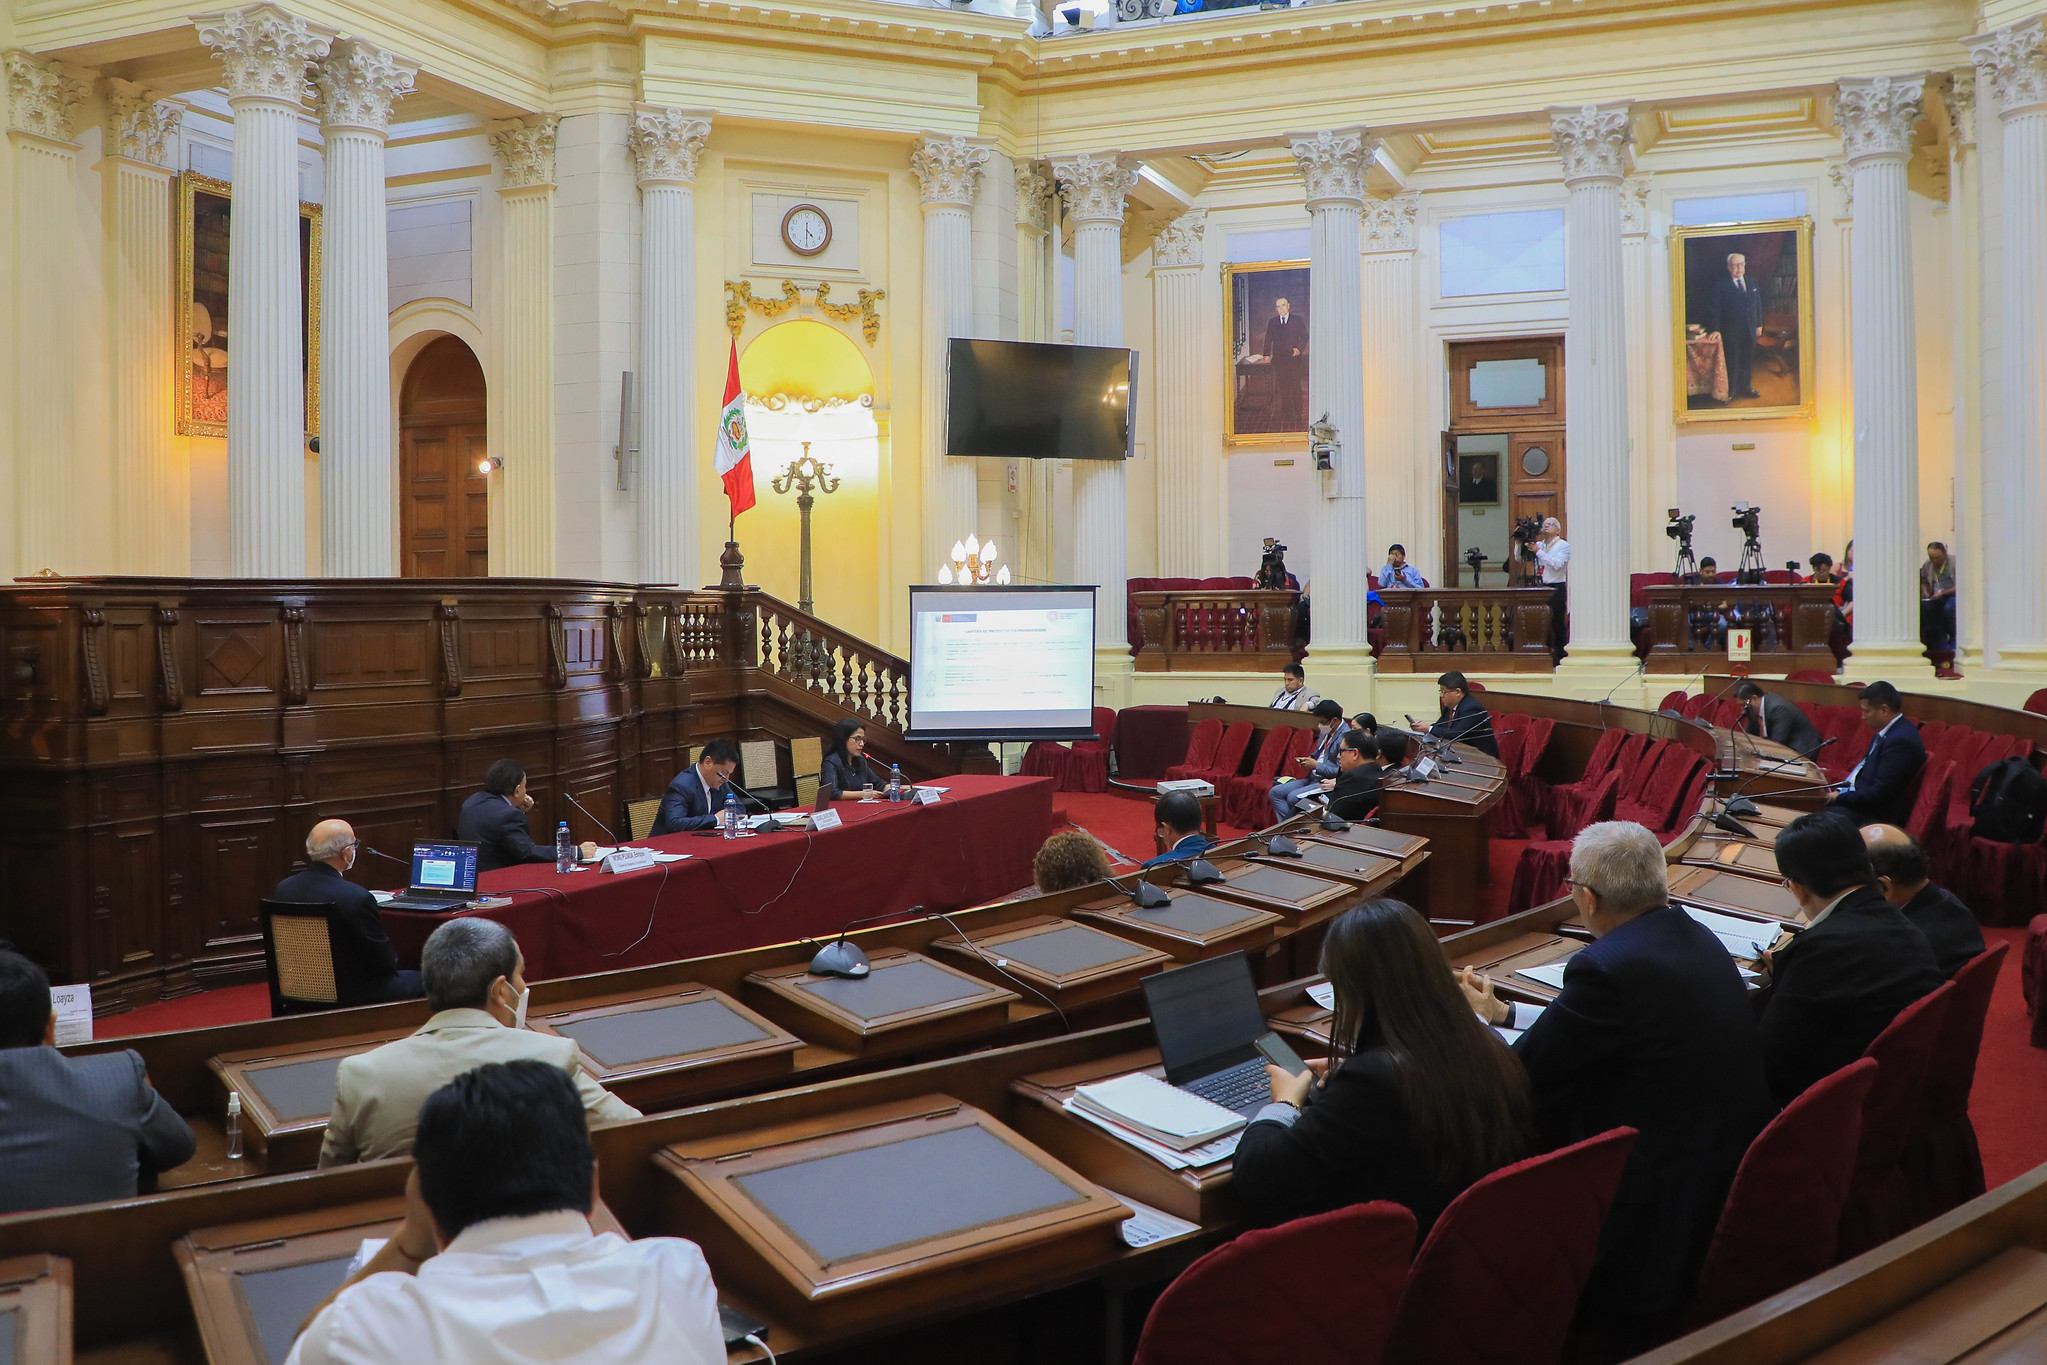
[1002, 663]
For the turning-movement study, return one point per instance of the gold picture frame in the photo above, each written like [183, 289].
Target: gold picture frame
[1777, 365]
[1264, 403]
[202, 361]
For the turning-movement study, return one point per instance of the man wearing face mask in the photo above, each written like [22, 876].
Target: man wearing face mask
[476, 982]
[330, 852]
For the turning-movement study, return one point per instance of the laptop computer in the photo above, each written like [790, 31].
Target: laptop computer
[443, 876]
[1208, 1022]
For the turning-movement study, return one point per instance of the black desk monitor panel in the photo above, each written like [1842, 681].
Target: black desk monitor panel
[1349, 863]
[1070, 963]
[683, 1043]
[905, 1001]
[1283, 889]
[286, 1096]
[1194, 926]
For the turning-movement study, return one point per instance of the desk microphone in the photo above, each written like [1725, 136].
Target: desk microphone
[593, 819]
[1201, 872]
[1725, 820]
[406, 862]
[1738, 804]
[1279, 846]
[840, 958]
[1147, 895]
[743, 792]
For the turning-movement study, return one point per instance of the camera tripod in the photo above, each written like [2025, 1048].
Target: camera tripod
[1751, 568]
[1687, 562]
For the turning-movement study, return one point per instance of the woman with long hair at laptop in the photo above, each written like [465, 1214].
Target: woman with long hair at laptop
[1417, 1101]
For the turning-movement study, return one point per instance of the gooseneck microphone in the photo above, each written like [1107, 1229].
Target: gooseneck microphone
[387, 857]
[570, 797]
[840, 958]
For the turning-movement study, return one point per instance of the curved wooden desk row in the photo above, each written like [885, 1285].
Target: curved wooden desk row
[737, 1023]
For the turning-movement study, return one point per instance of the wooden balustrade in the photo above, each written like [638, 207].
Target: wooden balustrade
[1790, 623]
[1484, 630]
[867, 681]
[1237, 631]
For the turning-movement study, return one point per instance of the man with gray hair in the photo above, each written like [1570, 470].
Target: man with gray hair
[1652, 1030]
[476, 982]
[370, 974]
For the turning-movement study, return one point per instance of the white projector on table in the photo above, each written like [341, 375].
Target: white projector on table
[1192, 785]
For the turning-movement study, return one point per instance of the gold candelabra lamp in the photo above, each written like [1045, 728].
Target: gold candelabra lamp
[805, 474]
[973, 564]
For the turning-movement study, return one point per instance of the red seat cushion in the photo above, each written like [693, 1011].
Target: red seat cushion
[1201, 747]
[1879, 1204]
[1943, 1165]
[1246, 800]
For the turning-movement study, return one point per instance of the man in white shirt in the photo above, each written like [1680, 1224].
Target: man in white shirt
[1552, 560]
[496, 1263]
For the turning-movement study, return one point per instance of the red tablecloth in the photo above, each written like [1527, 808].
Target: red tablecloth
[1149, 739]
[973, 846]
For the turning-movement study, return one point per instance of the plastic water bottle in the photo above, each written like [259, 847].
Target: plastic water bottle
[564, 848]
[234, 1125]
[732, 816]
[895, 782]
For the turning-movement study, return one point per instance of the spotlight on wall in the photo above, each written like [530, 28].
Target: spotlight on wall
[489, 464]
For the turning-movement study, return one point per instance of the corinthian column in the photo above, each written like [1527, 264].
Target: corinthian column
[1877, 118]
[42, 107]
[948, 171]
[1094, 186]
[524, 484]
[1592, 142]
[2013, 65]
[356, 86]
[264, 53]
[1333, 164]
[1182, 478]
[1387, 295]
[666, 144]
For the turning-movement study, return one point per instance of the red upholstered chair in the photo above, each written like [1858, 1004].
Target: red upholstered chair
[1633, 804]
[1782, 1217]
[1201, 747]
[1498, 1278]
[1536, 732]
[1688, 803]
[1508, 817]
[1246, 802]
[1674, 701]
[1228, 758]
[1628, 762]
[1540, 871]
[1942, 1162]
[1556, 799]
[1690, 707]
[1088, 769]
[1316, 1291]
[1725, 713]
[1661, 797]
[1879, 1204]
[2037, 703]
[1047, 758]
[1930, 805]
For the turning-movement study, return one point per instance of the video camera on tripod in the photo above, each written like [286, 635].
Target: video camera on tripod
[1748, 519]
[1680, 530]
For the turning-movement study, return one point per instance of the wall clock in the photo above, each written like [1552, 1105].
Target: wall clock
[806, 230]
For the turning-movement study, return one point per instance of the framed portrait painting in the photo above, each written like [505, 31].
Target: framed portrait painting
[204, 346]
[1741, 302]
[1266, 400]
[1478, 480]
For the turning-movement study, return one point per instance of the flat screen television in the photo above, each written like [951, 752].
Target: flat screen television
[1001, 663]
[1039, 401]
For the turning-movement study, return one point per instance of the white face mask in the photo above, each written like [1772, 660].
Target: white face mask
[519, 1005]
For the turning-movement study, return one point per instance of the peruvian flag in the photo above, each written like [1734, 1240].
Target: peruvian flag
[735, 456]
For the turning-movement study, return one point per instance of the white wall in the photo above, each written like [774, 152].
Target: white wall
[1712, 476]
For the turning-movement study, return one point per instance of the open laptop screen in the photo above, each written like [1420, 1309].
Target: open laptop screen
[1206, 1015]
[449, 866]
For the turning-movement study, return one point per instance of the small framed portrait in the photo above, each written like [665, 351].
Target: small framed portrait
[1266, 400]
[1741, 301]
[204, 213]
[1478, 480]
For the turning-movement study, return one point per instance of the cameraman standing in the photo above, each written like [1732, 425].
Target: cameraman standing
[1552, 559]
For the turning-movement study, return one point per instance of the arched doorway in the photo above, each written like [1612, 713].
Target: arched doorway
[443, 497]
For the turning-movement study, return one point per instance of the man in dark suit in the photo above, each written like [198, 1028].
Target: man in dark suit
[1904, 877]
[1738, 317]
[1777, 720]
[330, 852]
[693, 798]
[495, 818]
[1653, 1030]
[1463, 719]
[73, 1130]
[1286, 346]
[1839, 981]
[1354, 791]
[1179, 828]
[1880, 789]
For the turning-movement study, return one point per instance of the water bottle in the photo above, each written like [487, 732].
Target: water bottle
[895, 782]
[732, 816]
[234, 1125]
[564, 848]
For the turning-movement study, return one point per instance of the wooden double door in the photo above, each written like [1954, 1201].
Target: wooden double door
[1503, 455]
[443, 451]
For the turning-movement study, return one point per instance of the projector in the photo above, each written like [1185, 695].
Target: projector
[1193, 786]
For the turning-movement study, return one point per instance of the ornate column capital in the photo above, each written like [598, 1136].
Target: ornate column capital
[1958, 99]
[264, 51]
[667, 143]
[1878, 114]
[1094, 185]
[1389, 223]
[1178, 244]
[1842, 177]
[525, 146]
[1635, 205]
[1333, 163]
[1033, 196]
[41, 99]
[357, 84]
[948, 169]
[2013, 63]
[1592, 140]
[144, 123]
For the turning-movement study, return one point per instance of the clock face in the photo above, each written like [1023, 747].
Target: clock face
[806, 230]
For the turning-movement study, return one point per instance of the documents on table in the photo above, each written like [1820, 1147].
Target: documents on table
[606, 850]
[1323, 993]
[1550, 974]
[1222, 1149]
[1740, 937]
[1152, 1225]
[1162, 1113]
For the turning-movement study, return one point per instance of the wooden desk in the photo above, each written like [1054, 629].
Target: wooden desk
[654, 1051]
[287, 1096]
[1195, 926]
[1716, 888]
[1451, 812]
[35, 1310]
[1753, 856]
[907, 1001]
[1285, 886]
[1072, 963]
[1374, 839]
[1760, 767]
[1342, 862]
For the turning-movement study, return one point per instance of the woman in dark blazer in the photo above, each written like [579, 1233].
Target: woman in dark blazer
[845, 768]
[1418, 1100]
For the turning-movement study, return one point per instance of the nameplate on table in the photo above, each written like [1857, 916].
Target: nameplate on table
[628, 860]
[927, 796]
[72, 1006]
[826, 819]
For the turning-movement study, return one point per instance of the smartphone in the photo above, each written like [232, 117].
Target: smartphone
[1275, 1050]
[739, 1326]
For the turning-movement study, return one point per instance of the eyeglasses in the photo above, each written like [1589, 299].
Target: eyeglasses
[1572, 881]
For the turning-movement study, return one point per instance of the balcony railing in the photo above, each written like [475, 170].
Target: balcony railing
[1789, 625]
[1486, 630]
[1235, 630]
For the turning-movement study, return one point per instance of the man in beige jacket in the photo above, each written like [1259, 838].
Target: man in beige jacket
[475, 980]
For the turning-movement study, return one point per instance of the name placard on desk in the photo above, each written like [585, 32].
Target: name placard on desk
[627, 860]
[927, 796]
[826, 819]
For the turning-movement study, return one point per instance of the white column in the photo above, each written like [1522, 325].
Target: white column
[1877, 117]
[264, 53]
[1000, 509]
[522, 538]
[1403, 506]
[1333, 165]
[1033, 228]
[1653, 464]
[1968, 202]
[948, 170]
[358, 468]
[666, 144]
[42, 105]
[1177, 371]
[1593, 143]
[152, 488]
[1094, 186]
[2014, 63]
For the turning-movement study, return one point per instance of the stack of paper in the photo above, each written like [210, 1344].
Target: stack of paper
[1222, 1149]
[1550, 974]
[1740, 937]
[1162, 1113]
